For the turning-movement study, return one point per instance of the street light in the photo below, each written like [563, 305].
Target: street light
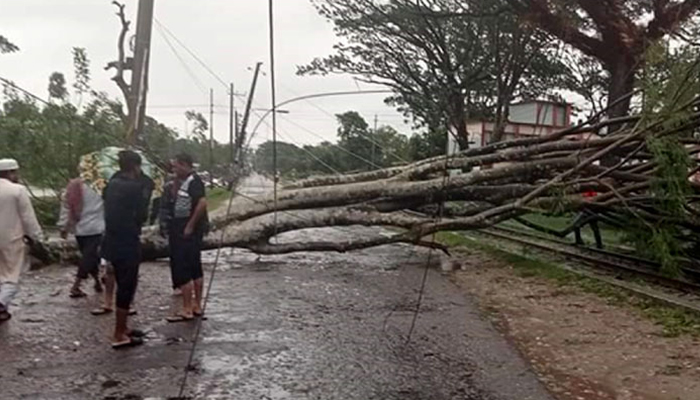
[307, 97]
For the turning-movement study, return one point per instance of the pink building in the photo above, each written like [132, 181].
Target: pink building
[528, 118]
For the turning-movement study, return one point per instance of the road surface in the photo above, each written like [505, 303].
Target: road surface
[302, 326]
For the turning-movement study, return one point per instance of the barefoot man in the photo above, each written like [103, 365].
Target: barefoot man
[125, 213]
[188, 223]
[19, 224]
[82, 214]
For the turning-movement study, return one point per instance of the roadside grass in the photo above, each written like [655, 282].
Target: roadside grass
[216, 197]
[675, 321]
[610, 235]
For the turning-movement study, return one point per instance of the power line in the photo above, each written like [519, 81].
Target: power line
[189, 71]
[187, 49]
[355, 155]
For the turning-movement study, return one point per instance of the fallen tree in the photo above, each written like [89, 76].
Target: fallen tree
[649, 187]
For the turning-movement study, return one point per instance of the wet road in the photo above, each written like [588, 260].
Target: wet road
[305, 326]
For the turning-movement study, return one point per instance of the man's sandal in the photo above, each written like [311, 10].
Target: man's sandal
[179, 318]
[101, 311]
[132, 342]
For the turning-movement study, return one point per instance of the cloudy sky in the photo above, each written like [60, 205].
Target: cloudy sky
[230, 36]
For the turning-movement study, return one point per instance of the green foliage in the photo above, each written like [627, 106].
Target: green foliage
[670, 80]
[359, 148]
[6, 46]
[49, 139]
[660, 240]
[446, 60]
[428, 144]
[200, 125]
[81, 65]
[47, 210]
[670, 185]
[57, 87]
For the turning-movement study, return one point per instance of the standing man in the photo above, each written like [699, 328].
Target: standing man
[166, 205]
[187, 226]
[82, 213]
[126, 201]
[19, 227]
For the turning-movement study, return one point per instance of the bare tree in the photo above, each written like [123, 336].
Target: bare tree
[123, 62]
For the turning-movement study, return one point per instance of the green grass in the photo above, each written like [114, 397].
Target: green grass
[47, 211]
[611, 235]
[217, 197]
[675, 321]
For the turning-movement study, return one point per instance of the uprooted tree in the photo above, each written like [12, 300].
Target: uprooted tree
[649, 190]
[650, 186]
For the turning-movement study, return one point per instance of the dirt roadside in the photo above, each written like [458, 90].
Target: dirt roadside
[581, 345]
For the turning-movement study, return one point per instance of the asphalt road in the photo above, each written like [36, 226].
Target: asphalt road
[304, 326]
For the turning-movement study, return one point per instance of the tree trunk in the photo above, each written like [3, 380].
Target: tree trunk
[622, 74]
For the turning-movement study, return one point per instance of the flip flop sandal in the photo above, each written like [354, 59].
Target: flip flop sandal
[132, 342]
[101, 311]
[5, 316]
[179, 318]
[136, 333]
[133, 312]
[77, 294]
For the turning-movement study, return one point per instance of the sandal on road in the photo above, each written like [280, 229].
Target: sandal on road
[5, 316]
[105, 310]
[101, 311]
[77, 294]
[179, 318]
[131, 342]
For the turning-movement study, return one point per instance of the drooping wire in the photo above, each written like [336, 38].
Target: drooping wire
[343, 149]
[192, 53]
[186, 67]
[273, 95]
[438, 217]
[205, 302]
[366, 136]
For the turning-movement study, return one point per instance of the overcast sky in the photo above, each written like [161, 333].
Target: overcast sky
[230, 36]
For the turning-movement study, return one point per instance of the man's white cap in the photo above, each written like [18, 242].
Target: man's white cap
[8, 164]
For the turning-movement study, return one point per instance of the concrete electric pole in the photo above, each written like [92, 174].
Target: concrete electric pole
[139, 74]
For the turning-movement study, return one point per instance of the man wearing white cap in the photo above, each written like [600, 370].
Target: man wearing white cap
[17, 224]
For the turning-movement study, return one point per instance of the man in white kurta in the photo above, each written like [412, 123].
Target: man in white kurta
[17, 222]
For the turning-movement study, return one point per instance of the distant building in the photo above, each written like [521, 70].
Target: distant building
[526, 119]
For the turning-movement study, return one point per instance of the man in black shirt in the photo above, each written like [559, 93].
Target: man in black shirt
[187, 225]
[126, 200]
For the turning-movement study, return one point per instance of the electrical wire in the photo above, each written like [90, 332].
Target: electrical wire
[192, 53]
[273, 95]
[189, 71]
[205, 302]
[343, 149]
[367, 136]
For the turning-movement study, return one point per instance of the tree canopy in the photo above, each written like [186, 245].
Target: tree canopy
[444, 68]
[616, 33]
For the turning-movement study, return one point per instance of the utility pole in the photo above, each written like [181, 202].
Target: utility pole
[231, 126]
[246, 115]
[211, 137]
[139, 74]
[237, 153]
[374, 139]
